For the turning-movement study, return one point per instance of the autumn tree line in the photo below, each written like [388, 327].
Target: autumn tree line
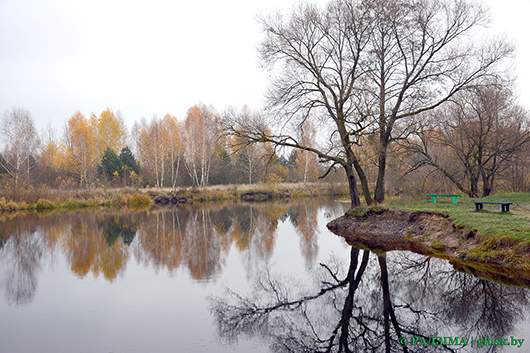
[390, 96]
[100, 151]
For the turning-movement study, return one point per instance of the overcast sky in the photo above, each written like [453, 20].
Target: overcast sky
[156, 57]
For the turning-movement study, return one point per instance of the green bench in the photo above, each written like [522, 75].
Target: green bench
[454, 196]
[505, 206]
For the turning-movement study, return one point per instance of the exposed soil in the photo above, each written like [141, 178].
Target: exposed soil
[427, 233]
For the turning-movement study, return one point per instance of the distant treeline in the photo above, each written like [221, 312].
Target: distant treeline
[100, 152]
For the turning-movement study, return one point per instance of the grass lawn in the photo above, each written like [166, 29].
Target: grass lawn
[500, 237]
[489, 222]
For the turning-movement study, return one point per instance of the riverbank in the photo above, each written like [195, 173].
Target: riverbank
[73, 201]
[246, 192]
[498, 242]
[70, 199]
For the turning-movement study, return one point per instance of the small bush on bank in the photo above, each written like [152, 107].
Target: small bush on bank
[43, 204]
[11, 206]
[136, 200]
[69, 204]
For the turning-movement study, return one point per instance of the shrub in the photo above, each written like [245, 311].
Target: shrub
[43, 204]
[11, 206]
[437, 245]
[137, 200]
[69, 204]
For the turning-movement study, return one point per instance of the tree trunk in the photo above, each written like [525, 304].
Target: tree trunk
[364, 183]
[379, 193]
[353, 283]
[473, 192]
[351, 161]
[384, 128]
[352, 183]
[388, 309]
[487, 184]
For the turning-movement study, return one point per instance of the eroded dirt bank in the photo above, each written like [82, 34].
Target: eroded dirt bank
[431, 234]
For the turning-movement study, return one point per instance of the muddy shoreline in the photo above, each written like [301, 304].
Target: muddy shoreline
[431, 234]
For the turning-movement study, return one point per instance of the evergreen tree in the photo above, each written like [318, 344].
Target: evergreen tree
[291, 162]
[110, 163]
[127, 159]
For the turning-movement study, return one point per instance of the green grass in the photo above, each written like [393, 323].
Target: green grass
[488, 222]
[365, 210]
[500, 237]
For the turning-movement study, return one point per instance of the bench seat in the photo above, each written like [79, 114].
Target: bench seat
[454, 196]
[505, 206]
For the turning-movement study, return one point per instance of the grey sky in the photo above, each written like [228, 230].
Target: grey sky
[155, 57]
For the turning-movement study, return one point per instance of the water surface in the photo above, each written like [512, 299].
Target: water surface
[265, 277]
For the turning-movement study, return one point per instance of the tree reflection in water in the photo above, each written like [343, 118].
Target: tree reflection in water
[364, 305]
[196, 238]
[370, 304]
[21, 256]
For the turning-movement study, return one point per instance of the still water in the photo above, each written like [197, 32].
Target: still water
[263, 277]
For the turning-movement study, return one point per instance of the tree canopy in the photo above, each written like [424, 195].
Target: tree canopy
[366, 69]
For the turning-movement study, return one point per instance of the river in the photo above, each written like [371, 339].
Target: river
[261, 277]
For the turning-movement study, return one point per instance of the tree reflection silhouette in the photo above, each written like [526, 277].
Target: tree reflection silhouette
[21, 256]
[118, 226]
[303, 217]
[370, 305]
[471, 305]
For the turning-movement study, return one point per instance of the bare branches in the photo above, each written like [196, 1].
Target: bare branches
[21, 141]
[369, 67]
[474, 139]
[248, 130]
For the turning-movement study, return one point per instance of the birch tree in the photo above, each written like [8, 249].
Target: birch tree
[81, 148]
[174, 149]
[250, 157]
[152, 147]
[160, 148]
[305, 160]
[21, 142]
[110, 131]
[201, 136]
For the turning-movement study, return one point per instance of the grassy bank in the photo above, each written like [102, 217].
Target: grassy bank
[48, 199]
[76, 199]
[500, 236]
[246, 192]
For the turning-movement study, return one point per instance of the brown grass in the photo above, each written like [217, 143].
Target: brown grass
[47, 198]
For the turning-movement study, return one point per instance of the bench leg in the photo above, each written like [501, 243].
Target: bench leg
[454, 200]
[434, 199]
[505, 208]
[478, 207]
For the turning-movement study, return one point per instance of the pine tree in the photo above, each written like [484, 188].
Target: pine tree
[110, 163]
[127, 159]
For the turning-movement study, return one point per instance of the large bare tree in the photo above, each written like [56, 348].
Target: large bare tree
[367, 67]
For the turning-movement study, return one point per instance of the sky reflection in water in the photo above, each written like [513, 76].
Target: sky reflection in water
[247, 278]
